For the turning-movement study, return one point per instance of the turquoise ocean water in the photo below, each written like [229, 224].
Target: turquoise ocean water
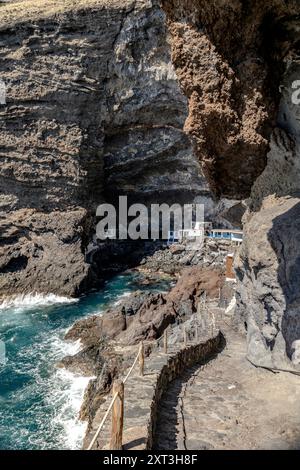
[39, 403]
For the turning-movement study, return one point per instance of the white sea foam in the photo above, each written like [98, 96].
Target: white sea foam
[122, 297]
[34, 300]
[68, 394]
[71, 348]
[53, 396]
[70, 401]
[60, 348]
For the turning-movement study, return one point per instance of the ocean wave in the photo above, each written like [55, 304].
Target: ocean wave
[34, 300]
[42, 404]
[53, 400]
[68, 405]
[121, 298]
[66, 348]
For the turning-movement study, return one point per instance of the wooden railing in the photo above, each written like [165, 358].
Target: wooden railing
[117, 403]
[118, 409]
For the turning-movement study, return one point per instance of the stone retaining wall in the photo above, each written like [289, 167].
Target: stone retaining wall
[143, 394]
[177, 363]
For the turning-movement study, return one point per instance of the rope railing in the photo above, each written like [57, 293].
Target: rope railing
[102, 422]
[118, 396]
[139, 357]
[133, 365]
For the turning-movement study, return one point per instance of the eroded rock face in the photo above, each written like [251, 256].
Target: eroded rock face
[146, 153]
[268, 271]
[96, 106]
[94, 110]
[233, 77]
[227, 55]
[269, 264]
[42, 252]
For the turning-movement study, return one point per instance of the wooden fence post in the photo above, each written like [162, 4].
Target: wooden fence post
[117, 417]
[166, 341]
[142, 359]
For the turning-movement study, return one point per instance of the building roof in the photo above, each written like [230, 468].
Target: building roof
[218, 230]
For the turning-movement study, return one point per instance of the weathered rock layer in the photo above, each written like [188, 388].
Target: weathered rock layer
[228, 57]
[269, 266]
[238, 63]
[103, 98]
[93, 110]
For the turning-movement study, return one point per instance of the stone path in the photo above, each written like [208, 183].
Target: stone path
[142, 394]
[230, 404]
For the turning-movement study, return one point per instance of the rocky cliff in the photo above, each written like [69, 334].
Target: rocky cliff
[228, 55]
[143, 98]
[94, 110]
[268, 265]
[237, 62]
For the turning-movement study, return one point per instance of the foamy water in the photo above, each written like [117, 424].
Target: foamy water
[34, 300]
[70, 401]
[121, 298]
[39, 403]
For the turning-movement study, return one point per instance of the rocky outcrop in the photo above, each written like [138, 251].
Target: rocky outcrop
[43, 252]
[268, 293]
[145, 315]
[228, 57]
[173, 259]
[103, 98]
[268, 265]
[176, 306]
[93, 110]
[109, 341]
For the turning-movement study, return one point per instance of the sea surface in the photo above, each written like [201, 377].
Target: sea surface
[39, 403]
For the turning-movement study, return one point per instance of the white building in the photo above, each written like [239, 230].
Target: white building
[196, 231]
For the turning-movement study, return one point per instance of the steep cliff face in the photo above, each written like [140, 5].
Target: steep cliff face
[228, 57]
[105, 97]
[236, 62]
[146, 153]
[94, 110]
[269, 265]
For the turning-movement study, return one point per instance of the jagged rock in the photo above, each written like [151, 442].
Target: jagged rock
[93, 110]
[42, 252]
[268, 271]
[268, 266]
[145, 315]
[112, 323]
[224, 58]
[229, 213]
[173, 259]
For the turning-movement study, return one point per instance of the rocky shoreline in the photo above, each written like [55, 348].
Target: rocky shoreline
[109, 341]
